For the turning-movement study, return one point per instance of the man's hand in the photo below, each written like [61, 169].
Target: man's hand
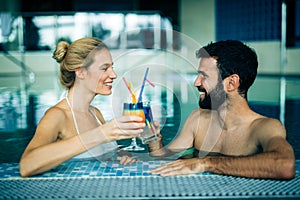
[180, 167]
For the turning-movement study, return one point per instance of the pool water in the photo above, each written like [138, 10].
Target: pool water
[13, 143]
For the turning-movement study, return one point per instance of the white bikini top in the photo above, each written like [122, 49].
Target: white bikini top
[95, 151]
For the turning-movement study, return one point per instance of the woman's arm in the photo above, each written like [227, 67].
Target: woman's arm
[46, 151]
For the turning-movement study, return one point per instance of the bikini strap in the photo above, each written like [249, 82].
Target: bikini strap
[74, 118]
[95, 115]
[73, 115]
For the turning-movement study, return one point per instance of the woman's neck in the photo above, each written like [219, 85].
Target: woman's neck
[79, 100]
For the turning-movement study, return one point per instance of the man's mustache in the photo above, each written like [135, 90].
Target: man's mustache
[201, 89]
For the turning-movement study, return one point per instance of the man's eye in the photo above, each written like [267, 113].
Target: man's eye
[202, 75]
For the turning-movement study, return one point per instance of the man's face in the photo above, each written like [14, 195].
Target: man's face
[210, 85]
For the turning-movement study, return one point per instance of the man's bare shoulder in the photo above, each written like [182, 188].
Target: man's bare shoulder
[267, 122]
[199, 113]
[268, 127]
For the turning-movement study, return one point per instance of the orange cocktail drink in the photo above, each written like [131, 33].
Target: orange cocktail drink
[134, 109]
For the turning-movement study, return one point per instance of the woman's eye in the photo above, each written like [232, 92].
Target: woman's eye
[105, 68]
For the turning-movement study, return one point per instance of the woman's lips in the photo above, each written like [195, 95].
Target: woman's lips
[108, 84]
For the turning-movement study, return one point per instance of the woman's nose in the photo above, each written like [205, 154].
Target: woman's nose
[113, 74]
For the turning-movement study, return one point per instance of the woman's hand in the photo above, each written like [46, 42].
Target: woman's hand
[123, 127]
[124, 160]
[125, 157]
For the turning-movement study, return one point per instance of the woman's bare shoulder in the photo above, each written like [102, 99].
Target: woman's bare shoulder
[51, 124]
[56, 112]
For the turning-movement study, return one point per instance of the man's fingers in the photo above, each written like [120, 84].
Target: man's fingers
[160, 168]
[170, 169]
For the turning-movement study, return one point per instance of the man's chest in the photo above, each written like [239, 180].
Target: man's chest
[235, 143]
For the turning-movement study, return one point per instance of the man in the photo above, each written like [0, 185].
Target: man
[231, 138]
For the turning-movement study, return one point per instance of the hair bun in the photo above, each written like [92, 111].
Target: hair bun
[60, 51]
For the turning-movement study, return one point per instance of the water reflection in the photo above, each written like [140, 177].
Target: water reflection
[172, 100]
[9, 115]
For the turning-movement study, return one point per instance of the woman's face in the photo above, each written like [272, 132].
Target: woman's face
[100, 74]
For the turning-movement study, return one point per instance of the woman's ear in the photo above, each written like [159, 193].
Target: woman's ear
[233, 82]
[80, 72]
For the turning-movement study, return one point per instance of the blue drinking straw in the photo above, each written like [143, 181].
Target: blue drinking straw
[143, 85]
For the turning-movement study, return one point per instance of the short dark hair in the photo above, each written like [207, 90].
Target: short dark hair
[233, 57]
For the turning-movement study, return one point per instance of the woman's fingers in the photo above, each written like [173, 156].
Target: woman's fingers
[124, 127]
[124, 160]
[130, 122]
[130, 118]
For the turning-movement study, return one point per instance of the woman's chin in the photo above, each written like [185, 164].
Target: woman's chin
[105, 93]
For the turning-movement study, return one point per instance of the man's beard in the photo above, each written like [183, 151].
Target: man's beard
[214, 99]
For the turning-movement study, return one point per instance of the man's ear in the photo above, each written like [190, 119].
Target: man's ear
[233, 82]
[80, 72]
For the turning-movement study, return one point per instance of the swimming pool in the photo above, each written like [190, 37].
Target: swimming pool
[91, 179]
[172, 102]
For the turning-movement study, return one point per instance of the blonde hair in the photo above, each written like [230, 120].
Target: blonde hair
[75, 55]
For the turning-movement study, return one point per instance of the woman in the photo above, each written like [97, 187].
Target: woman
[73, 126]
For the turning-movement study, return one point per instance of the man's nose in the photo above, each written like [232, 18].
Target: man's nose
[198, 81]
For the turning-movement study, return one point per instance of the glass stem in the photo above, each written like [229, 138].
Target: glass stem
[133, 142]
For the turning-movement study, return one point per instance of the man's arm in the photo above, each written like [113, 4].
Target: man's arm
[183, 141]
[277, 160]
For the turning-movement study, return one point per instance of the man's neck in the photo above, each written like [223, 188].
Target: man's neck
[232, 112]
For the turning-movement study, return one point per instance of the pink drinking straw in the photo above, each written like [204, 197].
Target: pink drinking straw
[128, 87]
[152, 84]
